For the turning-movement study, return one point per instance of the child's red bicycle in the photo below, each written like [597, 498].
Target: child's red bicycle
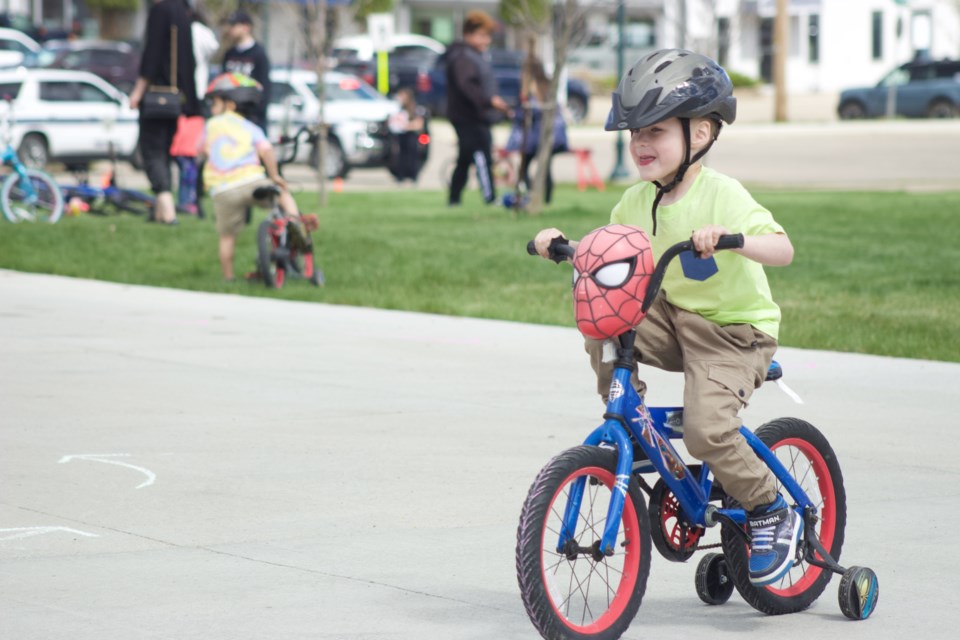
[284, 246]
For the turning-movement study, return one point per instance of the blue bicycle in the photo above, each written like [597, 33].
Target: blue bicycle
[27, 195]
[584, 540]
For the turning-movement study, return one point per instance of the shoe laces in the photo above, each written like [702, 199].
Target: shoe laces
[762, 538]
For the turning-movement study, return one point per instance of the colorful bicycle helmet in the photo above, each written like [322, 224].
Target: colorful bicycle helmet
[673, 83]
[241, 89]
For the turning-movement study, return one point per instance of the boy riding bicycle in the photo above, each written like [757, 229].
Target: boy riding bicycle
[715, 319]
[239, 159]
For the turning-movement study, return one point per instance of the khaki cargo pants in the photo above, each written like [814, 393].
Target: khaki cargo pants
[721, 367]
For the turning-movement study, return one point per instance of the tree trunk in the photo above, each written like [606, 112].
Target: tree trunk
[561, 43]
[117, 24]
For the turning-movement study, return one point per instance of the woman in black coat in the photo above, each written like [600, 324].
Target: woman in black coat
[156, 135]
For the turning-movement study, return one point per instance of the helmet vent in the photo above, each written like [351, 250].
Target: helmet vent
[663, 66]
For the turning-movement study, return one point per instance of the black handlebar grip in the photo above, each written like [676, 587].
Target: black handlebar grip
[559, 249]
[731, 241]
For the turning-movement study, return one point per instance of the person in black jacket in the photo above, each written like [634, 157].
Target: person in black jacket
[473, 104]
[248, 57]
[156, 135]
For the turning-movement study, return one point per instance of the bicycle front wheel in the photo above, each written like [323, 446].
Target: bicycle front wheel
[807, 455]
[273, 274]
[573, 592]
[32, 198]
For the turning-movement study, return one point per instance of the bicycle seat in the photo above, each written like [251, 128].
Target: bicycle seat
[775, 372]
[266, 193]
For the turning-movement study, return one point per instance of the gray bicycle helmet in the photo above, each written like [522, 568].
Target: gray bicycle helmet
[673, 83]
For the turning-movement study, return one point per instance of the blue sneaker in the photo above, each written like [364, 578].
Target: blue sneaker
[775, 532]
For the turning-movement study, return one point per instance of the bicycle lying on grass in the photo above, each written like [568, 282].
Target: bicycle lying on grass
[583, 544]
[109, 197]
[27, 195]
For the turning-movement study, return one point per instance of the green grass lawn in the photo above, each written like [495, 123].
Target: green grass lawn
[874, 272]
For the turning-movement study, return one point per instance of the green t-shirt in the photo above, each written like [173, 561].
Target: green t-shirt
[738, 292]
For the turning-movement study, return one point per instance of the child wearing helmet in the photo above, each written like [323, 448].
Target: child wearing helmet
[239, 159]
[715, 319]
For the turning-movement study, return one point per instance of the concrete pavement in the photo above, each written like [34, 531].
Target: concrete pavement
[812, 151]
[178, 465]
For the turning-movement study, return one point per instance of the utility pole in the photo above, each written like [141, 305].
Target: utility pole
[781, 36]
[619, 170]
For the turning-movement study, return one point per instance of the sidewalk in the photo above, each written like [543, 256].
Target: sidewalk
[178, 465]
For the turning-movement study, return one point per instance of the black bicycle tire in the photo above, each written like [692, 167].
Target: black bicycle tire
[132, 201]
[534, 531]
[768, 599]
[56, 212]
[265, 264]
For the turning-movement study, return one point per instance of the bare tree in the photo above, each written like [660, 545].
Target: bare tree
[538, 18]
[312, 16]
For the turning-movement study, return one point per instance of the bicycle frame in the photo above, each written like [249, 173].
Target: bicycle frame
[10, 157]
[652, 428]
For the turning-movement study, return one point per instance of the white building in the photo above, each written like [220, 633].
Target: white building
[833, 43]
[836, 43]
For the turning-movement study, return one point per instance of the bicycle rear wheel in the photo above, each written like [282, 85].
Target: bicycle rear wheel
[272, 270]
[576, 592]
[33, 198]
[807, 455]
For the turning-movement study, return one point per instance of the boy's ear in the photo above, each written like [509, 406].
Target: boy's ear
[702, 132]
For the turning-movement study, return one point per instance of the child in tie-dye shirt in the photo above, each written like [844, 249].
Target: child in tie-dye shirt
[239, 159]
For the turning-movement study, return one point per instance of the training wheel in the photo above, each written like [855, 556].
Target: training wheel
[859, 591]
[714, 585]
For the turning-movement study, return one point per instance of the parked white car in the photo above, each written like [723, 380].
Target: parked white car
[355, 112]
[66, 116]
[14, 45]
[360, 47]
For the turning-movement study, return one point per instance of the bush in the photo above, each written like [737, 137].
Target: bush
[742, 81]
[117, 5]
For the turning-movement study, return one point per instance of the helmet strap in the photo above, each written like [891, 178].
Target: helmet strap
[681, 170]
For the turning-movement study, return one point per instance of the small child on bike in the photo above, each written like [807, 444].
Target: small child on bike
[239, 159]
[715, 319]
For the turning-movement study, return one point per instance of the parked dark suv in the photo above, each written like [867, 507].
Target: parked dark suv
[116, 62]
[922, 89]
[432, 92]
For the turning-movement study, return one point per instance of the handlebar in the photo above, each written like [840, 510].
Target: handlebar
[294, 143]
[560, 250]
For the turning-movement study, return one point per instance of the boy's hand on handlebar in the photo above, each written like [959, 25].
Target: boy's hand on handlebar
[706, 238]
[543, 239]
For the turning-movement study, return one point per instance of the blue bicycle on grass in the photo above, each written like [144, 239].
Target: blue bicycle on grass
[583, 544]
[27, 194]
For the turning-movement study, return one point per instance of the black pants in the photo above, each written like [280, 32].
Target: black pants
[405, 165]
[525, 174]
[475, 143]
[156, 136]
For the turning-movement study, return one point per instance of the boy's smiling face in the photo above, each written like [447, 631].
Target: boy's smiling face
[658, 150]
